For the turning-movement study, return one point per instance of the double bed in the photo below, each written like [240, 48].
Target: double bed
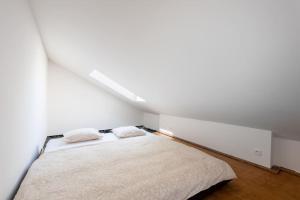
[145, 167]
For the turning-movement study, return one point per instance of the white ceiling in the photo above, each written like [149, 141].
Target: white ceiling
[226, 61]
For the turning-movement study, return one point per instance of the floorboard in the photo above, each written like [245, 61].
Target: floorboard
[254, 183]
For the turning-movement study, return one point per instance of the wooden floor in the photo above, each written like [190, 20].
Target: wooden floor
[254, 183]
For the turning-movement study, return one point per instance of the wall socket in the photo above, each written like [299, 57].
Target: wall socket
[258, 152]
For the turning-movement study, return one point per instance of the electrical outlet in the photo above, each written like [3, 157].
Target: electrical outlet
[258, 152]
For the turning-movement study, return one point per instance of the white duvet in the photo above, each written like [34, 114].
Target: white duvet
[139, 168]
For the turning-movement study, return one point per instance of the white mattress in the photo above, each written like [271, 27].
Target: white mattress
[59, 143]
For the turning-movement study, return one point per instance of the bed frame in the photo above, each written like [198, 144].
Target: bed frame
[207, 192]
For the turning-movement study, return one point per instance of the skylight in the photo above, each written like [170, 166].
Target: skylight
[98, 76]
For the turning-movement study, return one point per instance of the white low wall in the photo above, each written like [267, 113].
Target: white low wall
[286, 153]
[250, 144]
[151, 121]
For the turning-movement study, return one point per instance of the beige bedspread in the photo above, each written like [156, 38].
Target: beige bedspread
[140, 168]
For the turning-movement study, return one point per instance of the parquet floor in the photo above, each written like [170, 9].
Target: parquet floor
[254, 183]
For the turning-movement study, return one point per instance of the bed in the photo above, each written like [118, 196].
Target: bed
[145, 167]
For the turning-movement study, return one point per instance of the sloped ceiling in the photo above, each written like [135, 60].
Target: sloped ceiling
[230, 61]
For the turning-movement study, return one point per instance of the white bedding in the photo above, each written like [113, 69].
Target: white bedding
[59, 143]
[139, 168]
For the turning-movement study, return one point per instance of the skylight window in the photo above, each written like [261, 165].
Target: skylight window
[98, 76]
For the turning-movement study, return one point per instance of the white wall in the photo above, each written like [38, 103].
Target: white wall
[237, 141]
[285, 153]
[234, 62]
[22, 93]
[151, 121]
[76, 103]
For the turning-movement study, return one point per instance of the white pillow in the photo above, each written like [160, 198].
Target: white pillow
[84, 134]
[127, 131]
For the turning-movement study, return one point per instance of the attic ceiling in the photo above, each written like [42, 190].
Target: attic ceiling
[235, 62]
